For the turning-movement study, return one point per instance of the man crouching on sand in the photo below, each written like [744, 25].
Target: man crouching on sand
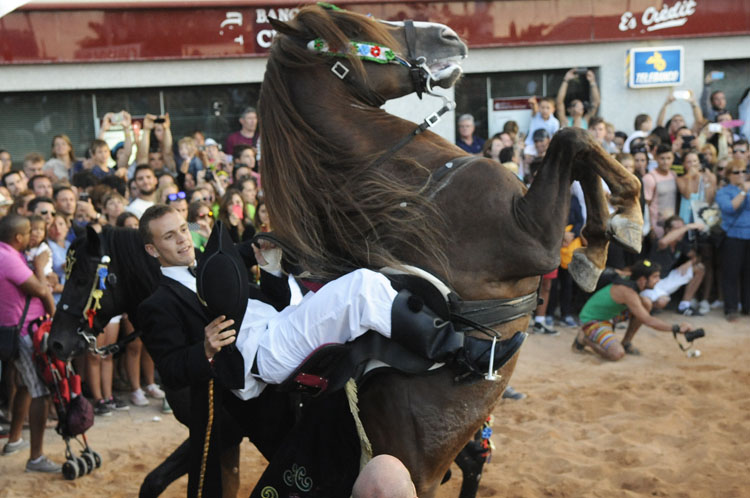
[601, 310]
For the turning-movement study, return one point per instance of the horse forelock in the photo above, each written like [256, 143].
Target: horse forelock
[337, 211]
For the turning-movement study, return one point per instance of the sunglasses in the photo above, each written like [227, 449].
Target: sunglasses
[204, 215]
[174, 197]
[739, 151]
[739, 172]
[45, 213]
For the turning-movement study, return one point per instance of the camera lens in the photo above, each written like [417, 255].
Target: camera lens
[694, 334]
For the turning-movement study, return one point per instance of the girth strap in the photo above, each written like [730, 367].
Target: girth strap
[491, 312]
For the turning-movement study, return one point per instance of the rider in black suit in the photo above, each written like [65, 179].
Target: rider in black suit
[174, 323]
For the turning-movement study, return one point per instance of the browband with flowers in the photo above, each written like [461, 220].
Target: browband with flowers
[364, 50]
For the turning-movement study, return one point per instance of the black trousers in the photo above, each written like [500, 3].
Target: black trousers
[735, 274]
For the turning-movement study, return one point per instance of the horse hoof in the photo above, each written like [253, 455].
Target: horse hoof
[626, 232]
[584, 272]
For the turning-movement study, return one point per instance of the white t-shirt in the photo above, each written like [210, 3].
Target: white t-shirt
[36, 251]
[138, 207]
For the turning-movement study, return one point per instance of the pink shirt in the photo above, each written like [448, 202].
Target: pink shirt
[13, 273]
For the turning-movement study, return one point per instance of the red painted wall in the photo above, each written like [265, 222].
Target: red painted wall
[224, 29]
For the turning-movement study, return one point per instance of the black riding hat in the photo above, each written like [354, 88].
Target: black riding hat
[221, 277]
[222, 283]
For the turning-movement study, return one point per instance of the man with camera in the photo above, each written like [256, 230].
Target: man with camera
[616, 301]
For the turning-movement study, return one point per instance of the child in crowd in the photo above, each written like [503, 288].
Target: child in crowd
[39, 255]
[542, 117]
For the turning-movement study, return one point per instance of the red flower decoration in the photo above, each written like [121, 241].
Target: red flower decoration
[375, 51]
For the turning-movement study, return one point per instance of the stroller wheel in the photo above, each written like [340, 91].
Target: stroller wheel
[90, 463]
[83, 467]
[70, 470]
[97, 458]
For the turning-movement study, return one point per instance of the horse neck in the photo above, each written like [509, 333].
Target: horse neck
[137, 274]
[361, 129]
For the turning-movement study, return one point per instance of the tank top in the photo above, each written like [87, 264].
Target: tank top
[601, 306]
[686, 204]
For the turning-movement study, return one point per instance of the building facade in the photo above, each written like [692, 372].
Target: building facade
[64, 65]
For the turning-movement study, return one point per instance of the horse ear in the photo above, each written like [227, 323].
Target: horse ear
[282, 27]
[93, 243]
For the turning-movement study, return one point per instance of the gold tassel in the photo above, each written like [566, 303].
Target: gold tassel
[352, 397]
[207, 442]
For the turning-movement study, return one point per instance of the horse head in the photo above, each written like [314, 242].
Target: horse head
[376, 60]
[90, 298]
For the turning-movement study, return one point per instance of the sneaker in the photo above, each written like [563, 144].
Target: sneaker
[165, 408]
[4, 432]
[511, 393]
[102, 409]
[138, 398]
[540, 328]
[11, 448]
[153, 391]
[43, 464]
[717, 304]
[117, 404]
[704, 307]
[569, 321]
[549, 320]
[689, 311]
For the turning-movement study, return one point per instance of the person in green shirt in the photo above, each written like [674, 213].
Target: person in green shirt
[602, 310]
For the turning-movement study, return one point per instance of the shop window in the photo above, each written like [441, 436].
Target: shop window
[30, 120]
[736, 80]
[476, 91]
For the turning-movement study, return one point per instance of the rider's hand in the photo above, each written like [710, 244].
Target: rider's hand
[216, 336]
[685, 327]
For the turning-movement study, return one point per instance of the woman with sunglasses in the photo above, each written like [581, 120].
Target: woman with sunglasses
[735, 250]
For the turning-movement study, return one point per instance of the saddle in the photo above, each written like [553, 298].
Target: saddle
[330, 366]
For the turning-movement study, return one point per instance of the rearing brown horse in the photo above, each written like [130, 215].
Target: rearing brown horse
[343, 204]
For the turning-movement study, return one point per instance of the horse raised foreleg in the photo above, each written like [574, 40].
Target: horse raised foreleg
[626, 224]
[588, 262]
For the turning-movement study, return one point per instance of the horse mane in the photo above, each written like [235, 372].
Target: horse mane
[126, 249]
[337, 211]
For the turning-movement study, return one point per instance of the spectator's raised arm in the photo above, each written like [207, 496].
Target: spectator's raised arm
[595, 98]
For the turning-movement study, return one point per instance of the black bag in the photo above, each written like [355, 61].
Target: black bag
[717, 235]
[9, 336]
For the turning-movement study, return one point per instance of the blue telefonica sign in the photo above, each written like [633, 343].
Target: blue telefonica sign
[650, 67]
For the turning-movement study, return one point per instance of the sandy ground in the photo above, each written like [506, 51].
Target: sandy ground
[660, 424]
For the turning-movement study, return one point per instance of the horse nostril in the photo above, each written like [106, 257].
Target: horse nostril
[449, 34]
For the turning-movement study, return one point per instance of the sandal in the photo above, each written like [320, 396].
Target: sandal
[630, 349]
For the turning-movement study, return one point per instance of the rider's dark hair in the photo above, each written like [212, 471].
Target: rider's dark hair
[644, 268]
[153, 213]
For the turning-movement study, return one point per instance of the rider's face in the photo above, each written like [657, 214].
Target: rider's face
[172, 243]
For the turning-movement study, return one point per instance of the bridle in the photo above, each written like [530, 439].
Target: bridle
[421, 77]
[103, 279]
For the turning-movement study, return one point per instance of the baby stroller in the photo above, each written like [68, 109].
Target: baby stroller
[75, 415]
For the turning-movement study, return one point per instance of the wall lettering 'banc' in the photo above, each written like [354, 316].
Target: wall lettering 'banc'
[262, 16]
[654, 19]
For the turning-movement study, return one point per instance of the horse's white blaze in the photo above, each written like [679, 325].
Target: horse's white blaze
[424, 24]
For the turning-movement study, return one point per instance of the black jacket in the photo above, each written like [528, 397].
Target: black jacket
[173, 321]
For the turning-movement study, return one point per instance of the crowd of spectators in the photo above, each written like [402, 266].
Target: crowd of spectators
[694, 177]
[51, 199]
